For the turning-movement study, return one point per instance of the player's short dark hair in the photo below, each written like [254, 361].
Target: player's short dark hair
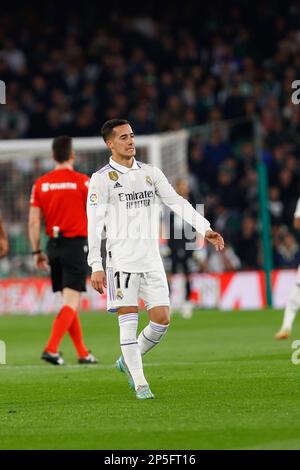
[109, 126]
[62, 147]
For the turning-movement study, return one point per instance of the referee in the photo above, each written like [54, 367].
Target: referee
[60, 198]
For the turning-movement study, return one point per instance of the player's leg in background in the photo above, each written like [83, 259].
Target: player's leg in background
[187, 308]
[290, 312]
[169, 280]
[174, 270]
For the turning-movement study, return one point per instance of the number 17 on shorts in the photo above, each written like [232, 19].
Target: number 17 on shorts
[125, 289]
[122, 289]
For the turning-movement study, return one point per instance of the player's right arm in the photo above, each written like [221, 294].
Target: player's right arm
[297, 216]
[96, 212]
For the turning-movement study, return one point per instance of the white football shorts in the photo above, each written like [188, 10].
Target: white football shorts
[125, 289]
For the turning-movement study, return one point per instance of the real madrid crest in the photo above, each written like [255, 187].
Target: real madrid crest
[119, 294]
[148, 180]
[113, 175]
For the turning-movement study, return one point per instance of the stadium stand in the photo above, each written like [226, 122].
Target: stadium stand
[90, 65]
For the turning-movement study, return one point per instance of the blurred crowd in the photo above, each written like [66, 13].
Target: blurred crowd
[67, 70]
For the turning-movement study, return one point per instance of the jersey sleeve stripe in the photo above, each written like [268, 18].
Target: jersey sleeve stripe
[106, 167]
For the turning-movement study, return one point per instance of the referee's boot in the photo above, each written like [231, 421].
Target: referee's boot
[89, 359]
[53, 358]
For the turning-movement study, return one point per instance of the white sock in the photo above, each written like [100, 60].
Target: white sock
[151, 336]
[291, 308]
[130, 349]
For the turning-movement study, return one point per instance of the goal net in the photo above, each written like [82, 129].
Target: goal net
[22, 161]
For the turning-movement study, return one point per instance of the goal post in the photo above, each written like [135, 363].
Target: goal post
[167, 151]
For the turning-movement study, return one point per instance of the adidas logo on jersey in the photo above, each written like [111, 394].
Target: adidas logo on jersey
[117, 185]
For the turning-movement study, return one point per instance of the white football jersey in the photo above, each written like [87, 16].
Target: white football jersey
[127, 202]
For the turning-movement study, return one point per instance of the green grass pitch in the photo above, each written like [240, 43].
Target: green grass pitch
[221, 382]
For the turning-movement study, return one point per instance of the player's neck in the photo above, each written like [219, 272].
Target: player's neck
[64, 166]
[123, 161]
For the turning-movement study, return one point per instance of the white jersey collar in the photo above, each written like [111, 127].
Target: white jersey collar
[123, 169]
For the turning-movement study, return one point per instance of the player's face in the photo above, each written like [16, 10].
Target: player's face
[122, 141]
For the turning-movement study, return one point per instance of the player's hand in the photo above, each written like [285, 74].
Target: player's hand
[215, 239]
[3, 246]
[98, 280]
[41, 262]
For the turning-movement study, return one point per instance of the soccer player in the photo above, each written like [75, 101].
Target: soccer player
[3, 239]
[125, 196]
[60, 198]
[293, 303]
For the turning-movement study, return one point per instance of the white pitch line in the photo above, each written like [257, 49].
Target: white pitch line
[90, 367]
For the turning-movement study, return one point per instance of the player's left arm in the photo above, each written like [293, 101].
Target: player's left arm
[185, 210]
